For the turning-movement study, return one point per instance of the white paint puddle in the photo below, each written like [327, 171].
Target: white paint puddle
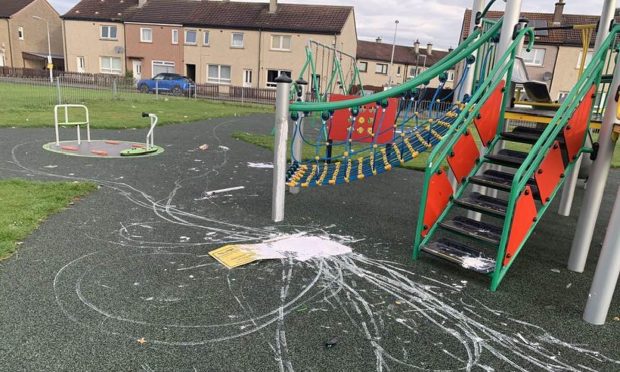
[260, 165]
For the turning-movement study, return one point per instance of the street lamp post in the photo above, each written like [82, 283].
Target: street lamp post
[392, 59]
[49, 47]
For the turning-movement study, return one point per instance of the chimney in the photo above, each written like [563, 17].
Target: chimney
[557, 13]
[379, 40]
[273, 6]
[429, 48]
[141, 3]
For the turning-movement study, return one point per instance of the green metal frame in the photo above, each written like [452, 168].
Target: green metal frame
[335, 71]
[477, 39]
[590, 76]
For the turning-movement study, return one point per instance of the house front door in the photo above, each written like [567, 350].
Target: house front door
[137, 69]
[247, 78]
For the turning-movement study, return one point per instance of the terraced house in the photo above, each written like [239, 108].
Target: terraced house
[557, 53]
[378, 69]
[219, 42]
[23, 34]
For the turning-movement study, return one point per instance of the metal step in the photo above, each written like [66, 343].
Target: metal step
[526, 135]
[494, 179]
[509, 158]
[473, 229]
[484, 204]
[460, 254]
[500, 180]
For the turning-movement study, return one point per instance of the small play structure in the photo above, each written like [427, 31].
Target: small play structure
[97, 148]
[488, 181]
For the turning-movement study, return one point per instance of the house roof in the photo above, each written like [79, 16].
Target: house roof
[320, 19]
[10, 7]
[102, 10]
[164, 11]
[402, 54]
[554, 37]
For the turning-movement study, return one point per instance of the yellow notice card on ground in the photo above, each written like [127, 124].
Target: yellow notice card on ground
[233, 256]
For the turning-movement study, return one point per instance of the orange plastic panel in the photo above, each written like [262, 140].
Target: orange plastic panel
[575, 131]
[463, 157]
[549, 173]
[439, 192]
[370, 121]
[488, 119]
[524, 214]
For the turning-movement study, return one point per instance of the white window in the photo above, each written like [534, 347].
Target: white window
[205, 38]
[281, 42]
[81, 64]
[108, 32]
[381, 68]
[362, 66]
[450, 74]
[175, 36]
[588, 58]
[535, 57]
[146, 35]
[20, 33]
[160, 67]
[191, 37]
[273, 74]
[236, 40]
[218, 74]
[111, 65]
[398, 71]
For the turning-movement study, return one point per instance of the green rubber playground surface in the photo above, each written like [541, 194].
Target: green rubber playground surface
[123, 280]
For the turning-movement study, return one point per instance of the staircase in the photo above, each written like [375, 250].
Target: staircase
[521, 170]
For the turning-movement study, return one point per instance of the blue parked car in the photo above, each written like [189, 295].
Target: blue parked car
[166, 82]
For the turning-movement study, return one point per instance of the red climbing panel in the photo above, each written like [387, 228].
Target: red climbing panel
[522, 220]
[371, 120]
[439, 192]
[575, 130]
[549, 173]
[488, 119]
[463, 157]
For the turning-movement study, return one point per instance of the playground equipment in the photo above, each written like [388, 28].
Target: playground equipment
[149, 145]
[480, 150]
[322, 60]
[97, 148]
[372, 134]
[66, 121]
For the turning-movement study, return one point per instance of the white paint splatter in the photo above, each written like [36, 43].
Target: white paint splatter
[260, 165]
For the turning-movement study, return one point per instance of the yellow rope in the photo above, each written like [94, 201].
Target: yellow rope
[398, 154]
[360, 163]
[310, 176]
[332, 181]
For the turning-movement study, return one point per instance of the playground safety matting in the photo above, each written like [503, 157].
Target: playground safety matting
[99, 148]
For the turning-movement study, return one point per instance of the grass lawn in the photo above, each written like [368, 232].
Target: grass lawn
[25, 204]
[32, 106]
[419, 163]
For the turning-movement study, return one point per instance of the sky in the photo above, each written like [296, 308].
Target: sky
[436, 21]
